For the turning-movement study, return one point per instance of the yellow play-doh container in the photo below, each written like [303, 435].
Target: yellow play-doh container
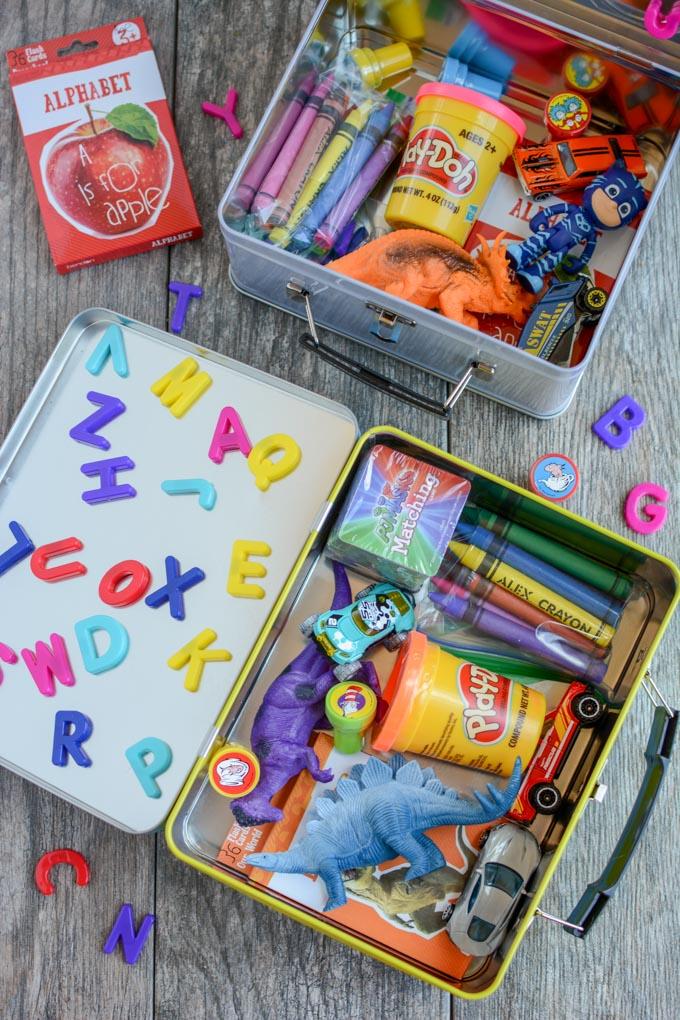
[458, 143]
[446, 708]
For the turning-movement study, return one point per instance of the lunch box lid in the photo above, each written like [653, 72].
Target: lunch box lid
[140, 698]
[612, 25]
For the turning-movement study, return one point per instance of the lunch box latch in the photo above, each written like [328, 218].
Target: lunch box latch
[389, 323]
[311, 341]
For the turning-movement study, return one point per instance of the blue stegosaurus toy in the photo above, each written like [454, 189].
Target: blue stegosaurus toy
[380, 812]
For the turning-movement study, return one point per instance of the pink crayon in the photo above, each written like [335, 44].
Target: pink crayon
[278, 173]
[361, 186]
[328, 118]
[254, 175]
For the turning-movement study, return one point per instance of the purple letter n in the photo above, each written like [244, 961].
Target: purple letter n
[124, 930]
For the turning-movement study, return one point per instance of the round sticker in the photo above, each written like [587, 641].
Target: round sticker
[554, 476]
[585, 72]
[567, 115]
[234, 772]
[351, 700]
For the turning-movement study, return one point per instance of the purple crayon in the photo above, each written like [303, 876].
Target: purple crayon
[276, 176]
[545, 644]
[347, 170]
[331, 113]
[362, 185]
[260, 164]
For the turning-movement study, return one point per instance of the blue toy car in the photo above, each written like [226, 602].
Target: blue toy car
[380, 613]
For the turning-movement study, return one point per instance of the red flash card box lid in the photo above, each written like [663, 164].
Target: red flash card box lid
[101, 145]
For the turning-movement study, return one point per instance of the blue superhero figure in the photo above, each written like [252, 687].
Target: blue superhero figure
[611, 201]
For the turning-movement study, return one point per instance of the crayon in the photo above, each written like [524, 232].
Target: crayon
[330, 230]
[260, 164]
[505, 665]
[534, 592]
[331, 158]
[343, 175]
[345, 239]
[280, 168]
[561, 527]
[608, 580]
[332, 111]
[591, 599]
[499, 598]
[465, 607]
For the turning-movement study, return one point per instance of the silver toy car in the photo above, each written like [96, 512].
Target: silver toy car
[506, 863]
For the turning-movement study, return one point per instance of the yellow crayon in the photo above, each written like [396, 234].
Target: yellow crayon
[533, 592]
[337, 147]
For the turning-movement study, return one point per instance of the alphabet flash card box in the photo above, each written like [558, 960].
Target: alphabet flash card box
[154, 498]
[101, 145]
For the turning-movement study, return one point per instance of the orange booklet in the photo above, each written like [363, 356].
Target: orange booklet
[405, 918]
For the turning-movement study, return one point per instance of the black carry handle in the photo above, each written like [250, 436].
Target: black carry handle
[598, 893]
[377, 380]
[382, 382]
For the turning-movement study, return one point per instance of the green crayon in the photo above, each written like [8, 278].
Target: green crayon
[513, 669]
[561, 556]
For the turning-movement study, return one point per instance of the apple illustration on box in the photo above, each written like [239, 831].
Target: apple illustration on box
[109, 176]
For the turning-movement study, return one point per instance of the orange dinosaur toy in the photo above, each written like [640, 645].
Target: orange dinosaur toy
[434, 272]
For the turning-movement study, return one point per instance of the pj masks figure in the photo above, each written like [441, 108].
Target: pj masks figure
[611, 201]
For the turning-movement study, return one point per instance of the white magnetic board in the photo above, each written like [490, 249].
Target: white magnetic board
[41, 487]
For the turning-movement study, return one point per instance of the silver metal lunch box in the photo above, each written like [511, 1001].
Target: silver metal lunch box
[455, 353]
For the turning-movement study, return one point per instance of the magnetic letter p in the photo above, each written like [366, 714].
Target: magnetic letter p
[160, 759]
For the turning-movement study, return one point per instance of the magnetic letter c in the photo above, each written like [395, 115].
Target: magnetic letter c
[54, 857]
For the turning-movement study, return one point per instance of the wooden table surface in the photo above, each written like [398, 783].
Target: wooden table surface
[214, 953]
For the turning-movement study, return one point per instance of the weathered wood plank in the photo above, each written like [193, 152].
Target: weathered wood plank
[626, 967]
[217, 952]
[51, 961]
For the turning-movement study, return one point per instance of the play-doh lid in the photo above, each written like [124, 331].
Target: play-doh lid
[401, 692]
[478, 99]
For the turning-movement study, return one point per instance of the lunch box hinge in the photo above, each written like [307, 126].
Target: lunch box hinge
[556, 920]
[346, 364]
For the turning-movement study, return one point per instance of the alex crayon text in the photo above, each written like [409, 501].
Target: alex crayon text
[532, 591]
[542, 643]
[580, 594]
[585, 568]
[497, 597]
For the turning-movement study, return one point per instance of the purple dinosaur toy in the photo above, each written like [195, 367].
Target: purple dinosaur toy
[291, 710]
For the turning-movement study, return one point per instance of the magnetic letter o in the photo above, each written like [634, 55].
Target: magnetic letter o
[125, 583]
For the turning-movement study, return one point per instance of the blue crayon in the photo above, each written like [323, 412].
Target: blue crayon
[376, 128]
[590, 599]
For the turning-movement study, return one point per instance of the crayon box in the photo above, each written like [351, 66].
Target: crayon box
[101, 145]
